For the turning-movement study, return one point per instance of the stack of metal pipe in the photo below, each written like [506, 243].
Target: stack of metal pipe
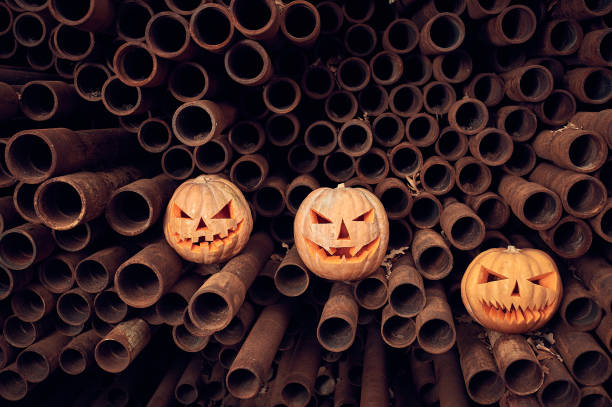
[478, 124]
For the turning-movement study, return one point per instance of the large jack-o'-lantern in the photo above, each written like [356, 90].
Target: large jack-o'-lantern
[208, 220]
[511, 290]
[341, 233]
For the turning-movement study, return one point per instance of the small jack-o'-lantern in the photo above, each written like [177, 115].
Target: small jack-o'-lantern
[208, 220]
[511, 290]
[341, 233]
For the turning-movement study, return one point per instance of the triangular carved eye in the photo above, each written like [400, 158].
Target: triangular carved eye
[365, 217]
[537, 280]
[179, 213]
[225, 212]
[488, 276]
[318, 218]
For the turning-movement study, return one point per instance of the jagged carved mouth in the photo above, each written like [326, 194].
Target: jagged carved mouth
[199, 243]
[343, 254]
[515, 315]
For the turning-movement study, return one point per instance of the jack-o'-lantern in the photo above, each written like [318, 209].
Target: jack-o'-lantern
[208, 220]
[342, 233]
[511, 290]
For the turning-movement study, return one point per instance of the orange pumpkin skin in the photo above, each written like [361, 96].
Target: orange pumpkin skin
[511, 290]
[208, 220]
[342, 233]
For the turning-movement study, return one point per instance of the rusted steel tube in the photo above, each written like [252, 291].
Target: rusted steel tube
[422, 129]
[248, 371]
[282, 129]
[386, 68]
[214, 156]
[482, 380]
[478, 9]
[594, 272]
[594, 48]
[490, 207]
[437, 176]
[259, 20]
[300, 23]
[9, 217]
[353, 74]
[522, 161]
[513, 25]
[375, 392]
[338, 323]
[45, 100]
[77, 355]
[25, 245]
[360, 40]
[109, 307]
[423, 376]
[321, 137]
[183, 8]
[33, 302]
[145, 277]
[167, 34]
[57, 273]
[188, 386]
[10, 100]
[588, 362]
[89, 78]
[21, 334]
[400, 36]
[64, 68]
[462, 227]
[388, 129]
[132, 209]
[590, 85]
[558, 389]
[263, 290]
[406, 290]
[298, 190]
[131, 20]
[560, 37]
[486, 87]
[397, 331]
[7, 19]
[601, 222]
[604, 331]
[331, 17]
[177, 162]
[582, 195]
[581, 10]
[517, 364]
[431, 254]
[102, 328]
[248, 63]
[434, 324]
[573, 149]
[355, 138]
[395, 197]
[518, 121]
[6, 178]
[281, 228]
[195, 123]
[468, 116]
[317, 82]
[7, 353]
[405, 160]
[448, 24]
[281, 95]
[82, 236]
[531, 83]
[164, 393]
[451, 145]
[438, 97]
[358, 12]
[172, 305]
[116, 351]
[74, 307]
[238, 328]
[93, 15]
[570, 238]
[325, 383]
[72, 44]
[217, 301]
[131, 123]
[405, 100]
[599, 122]
[123, 100]
[67, 329]
[39, 360]
[69, 200]
[341, 106]
[187, 341]
[190, 81]
[373, 100]
[536, 206]
[249, 172]
[593, 396]
[13, 280]
[578, 307]
[13, 385]
[371, 292]
[492, 146]
[292, 278]
[23, 200]
[345, 393]
[373, 166]
[472, 176]
[448, 379]
[136, 65]
[211, 27]
[36, 155]
[30, 29]
[299, 381]
[454, 67]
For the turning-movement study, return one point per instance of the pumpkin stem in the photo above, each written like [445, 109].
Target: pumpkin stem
[513, 249]
[340, 186]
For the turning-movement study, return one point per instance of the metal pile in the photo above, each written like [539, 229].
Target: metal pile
[478, 124]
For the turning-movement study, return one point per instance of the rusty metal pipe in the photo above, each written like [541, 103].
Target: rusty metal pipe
[248, 63]
[338, 323]
[386, 68]
[301, 159]
[321, 137]
[72, 44]
[472, 176]
[93, 15]
[355, 138]
[570, 238]
[438, 97]
[462, 227]
[214, 156]
[57, 273]
[25, 245]
[187, 341]
[172, 305]
[41, 359]
[298, 383]
[188, 386]
[442, 33]
[30, 29]
[406, 290]
[595, 48]
[353, 74]
[195, 123]
[190, 81]
[431, 254]
[388, 129]
[401, 36]
[167, 34]
[9, 217]
[74, 307]
[514, 25]
[345, 394]
[177, 162]
[6, 178]
[32, 303]
[373, 166]
[434, 324]
[257, 20]
[331, 17]
[373, 100]
[468, 116]
[7, 353]
[486, 87]
[454, 67]
[590, 85]
[578, 307]
[341, 106]
[249, 172]
[531, 83]
[522, 161]
[595, 121]
[490, 207]
[593, 271]
[13, 385]
[116, 351]
[12, 280]
[602, 223]
[131, 20]
[211, 27]
[360, 41]
[518, 121]
[405, 160]
[572, 149]
[136, 65]
[300, 23]
[375, 392]
[281, 95]
[239, 326]
[405, 100]
[183, 7]
[10, 100]
[45, 100]
[423, 376]
[580, 9]
[282, 129]
[448, 379]
[89, 78]
[492, 146]
[397, 331]
[123, 100]
[395, 197]
[164, 393]
[317, 81]
[82, 236]
[21, 334]
[371, 293]
[478, 9]
[557, 109]
[437, 176]
[422, 129]
[593, 396]
[263, 290]
[109, 307]
[77, 355]
[298, 190]
[292, 278]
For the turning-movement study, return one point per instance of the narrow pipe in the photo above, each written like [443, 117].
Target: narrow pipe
[9, 217]
[25, 245]
[154, 135]
[431, 8]
[490, 207]
[560, 37]
[516, 362]
[341, 106]
[72, 44]
[32, 303]
[581, 10]
[182, 7]
[572, 149]
[593, 271]
[437, 176]
[263, 290]
[321, 137]
[281, 228]
[438, 97]
[454, 67]
[23, 200]
[338, 323]
[190, 81]
[331, 17]
[195, 123]
[434, 324]
[298, 190]
[172, 305]
[442, 33]
[234, 333]
[57, 273]
[74, 306]
[131, 123]
[492, 146]
[479, 9]
[405, 160]
[405, 100]
[595, 121]
[359, 11]
[40, 58]
[570, 238]
[6, 178]
[164, 393]
[594, 396]
[355, 138]
[167, 34]
[448, 377]
[257, 20]
[102, 328]
[426, 210]
[45, 100]
[604, 332]
[131, 20]
[421, 69]
[292, 278]
[462, 227]
[249, 172]
[246, 137]
[339, 166]
[602, 222]
[353, 74]
[93, 15]
[116, 351]
[386, 68]
[557, 109]
[109, 307]
[472, 176]
[388, 129]
[248, 63]
[371, 292]
[7, 353]
[82, 236]
[281, 95]
[214, 156]
[531, 83]
[13, 385]
[422, 129]
[21, 334]
[136, 65]
[89, 78]
[515, 24]
[468, 116]
[299, 381]
[188, 386]
[123, 100]
[345, 394]
[373, 166]
[590, 85]
[317, 81]
[401, 36]
[594, 49]
[177, 162]
[395, 197]
[431, 254]
[211, 27]
[518, 121]
[522, 161]
[30, 29]
[269, 200]
[38, 361]
[486, 87]
[300, 23]
[360, 40]
[281, 129]
[397, 331]
[373, 100]
[578, 307]
[77, 356]
[6, 15]
[11, 281]
[376, 392]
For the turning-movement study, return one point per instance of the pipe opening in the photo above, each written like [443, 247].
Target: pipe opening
[523, 375]
[493, 242]
[372, 293]
[584, 151]
[73, 41]
[19, 333]
[383, 67]
[425, 211]
[132, 20]
[387, 130]
[570, 236]
[247, 135]
[436, 333]
[594, 400]
[252, 14]
[318, 81]
[360, 39]
[136, 63]
[485, 89]
[597, 5]
[559, 107]
[353, 73]
[33, 366]
[454, 66]
[560, 393]
[248, 174]
[60, 203]
[534, 82]
[193, 122]
[297, 194]
[472, 177]
[340, 165]
[90, 80]
[520, 123]
[540, 208]
[434, 260]
[407, 299]
[439, 98]
[325, 384]
[29, 29]
[171, 308]
[154, 135]
[330, 20]
[466, 230]
[227, 357]
[402, 36]
[121, 97]
[233, 333]
[6, 283]
[485, 384]
[296, 394]
[395, 200]
[563, 36]
[38, 99]
[112, 355]
[185, 6]
[437, 177]
[129, 210]
[168, 34]
[210, 156]
[491, 210]
[606, 223]
[341, 105]
[450, 144]
[445, 33]
[17, 250]
[281, 228]
[28, 305]
[12, 385]
[138, 282]
[588, 366]
[471, 116]
[71, 10]
[245, 61]
[494, 146]
[30, 156]
[73, 308]
[406, 100]
[321, 137]
[40, 57]
[598, 85]
[73, 239]
[8, 46]
[336, 333]
[210, 309]
[420, 69]
[56, 274]
[358, 10]
[517, 24]
[72, 361]
[91, 276]
[243, 383]
[300, 21]
[65, 67]
[302, 159]
[400, 234]
[281, 94]
[373, 99]
[269, 199]
[605, 47]
[372, 165]
[211, 26]
[585, 195]
[353, 138]
[582, 312]
[110, 307]
[6, 19]
[399, 331]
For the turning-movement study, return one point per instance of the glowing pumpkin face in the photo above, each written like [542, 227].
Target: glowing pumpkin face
[511, 290]
[208, 220]
[341, 233]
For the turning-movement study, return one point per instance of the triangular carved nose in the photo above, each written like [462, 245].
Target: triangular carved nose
[344, 234]
[202, 225]
[515, 290]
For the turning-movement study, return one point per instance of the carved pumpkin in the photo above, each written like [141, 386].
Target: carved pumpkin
[511, 290]
[208, 220]
[341, 233]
